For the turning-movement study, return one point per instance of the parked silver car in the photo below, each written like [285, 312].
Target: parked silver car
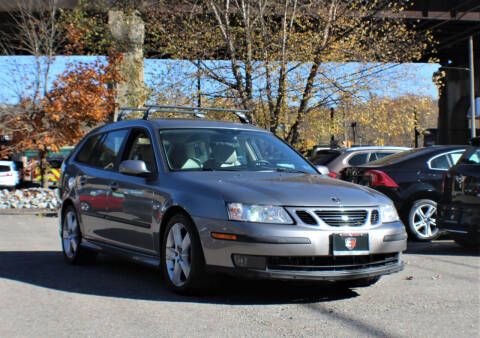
[338, 159]
[194, 196]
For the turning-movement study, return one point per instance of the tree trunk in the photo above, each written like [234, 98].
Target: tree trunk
[128, 32]
[43, 165]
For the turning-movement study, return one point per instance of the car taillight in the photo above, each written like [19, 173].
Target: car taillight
[8, 174]
[332, 174]
[380, 178]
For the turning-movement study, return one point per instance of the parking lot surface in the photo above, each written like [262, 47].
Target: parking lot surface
[437, 295]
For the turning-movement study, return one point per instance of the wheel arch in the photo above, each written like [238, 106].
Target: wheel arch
[68, 202]
[172, 211]
[419, 195]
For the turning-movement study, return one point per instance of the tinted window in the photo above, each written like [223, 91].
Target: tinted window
[377, 156]
[440, 162]
[141, 148]
[85, 153]
[324, 157]
[358, 159]
[474, 158]
[55, 163]
[106, 154]
[4, 168]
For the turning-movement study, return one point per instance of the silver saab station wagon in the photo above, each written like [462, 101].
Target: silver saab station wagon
[199, 196]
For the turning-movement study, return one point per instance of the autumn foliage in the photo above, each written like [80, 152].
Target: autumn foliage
[81, 98]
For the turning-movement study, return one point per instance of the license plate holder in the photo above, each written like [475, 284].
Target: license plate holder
[350, 244]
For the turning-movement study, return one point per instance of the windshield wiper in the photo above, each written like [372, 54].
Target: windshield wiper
[285, 170]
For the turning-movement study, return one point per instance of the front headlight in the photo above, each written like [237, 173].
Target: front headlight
[258, 213]
[388, 213]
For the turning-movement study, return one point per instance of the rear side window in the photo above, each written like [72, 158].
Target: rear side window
[325, 157]
[106, 153]
[377, 156]
[4, 168]
[358, 159]
[440, 162]
[84, 155]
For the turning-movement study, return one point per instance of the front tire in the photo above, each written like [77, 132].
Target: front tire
[183, 264]
[73, 252]
[422, 220]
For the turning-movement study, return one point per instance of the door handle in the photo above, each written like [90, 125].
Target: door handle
[114, 185]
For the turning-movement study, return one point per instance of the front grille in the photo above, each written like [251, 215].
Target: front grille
[331, 263]
[338, 218]
[374, 217]
[306, 217]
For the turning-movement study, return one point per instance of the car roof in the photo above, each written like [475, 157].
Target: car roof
[375, 148]
[416, 154]
[174, 123]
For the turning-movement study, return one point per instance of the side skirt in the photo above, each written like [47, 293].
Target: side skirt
[131, 255]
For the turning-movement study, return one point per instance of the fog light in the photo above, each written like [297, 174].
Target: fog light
[253, 262]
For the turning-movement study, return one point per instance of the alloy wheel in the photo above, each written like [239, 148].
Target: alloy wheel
[423, 220]
[70, 234]
[178, 254]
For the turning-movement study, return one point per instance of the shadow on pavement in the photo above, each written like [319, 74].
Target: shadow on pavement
[440, 247]
[116, 278]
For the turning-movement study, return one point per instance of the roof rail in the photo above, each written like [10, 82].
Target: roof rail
[197, 111]
[127, 110]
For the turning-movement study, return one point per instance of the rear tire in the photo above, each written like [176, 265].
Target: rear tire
[73, 252]
[183, 264]
[422, 222]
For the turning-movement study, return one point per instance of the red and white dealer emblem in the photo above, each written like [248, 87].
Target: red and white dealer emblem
[350, 243]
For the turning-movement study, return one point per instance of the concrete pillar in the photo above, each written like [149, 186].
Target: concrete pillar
[128, 31]
[454, 102]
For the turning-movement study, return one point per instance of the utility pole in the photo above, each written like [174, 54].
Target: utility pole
[415, 121]
[199, 86]
[472, 87]
[354, 131]
[332, 136]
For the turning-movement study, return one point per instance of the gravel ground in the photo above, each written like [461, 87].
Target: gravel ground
[15, 201]
[437, 295]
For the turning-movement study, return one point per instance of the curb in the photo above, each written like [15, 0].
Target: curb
[46, 212]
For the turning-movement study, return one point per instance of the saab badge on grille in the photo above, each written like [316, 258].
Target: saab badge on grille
[336, 199]
[350, 243]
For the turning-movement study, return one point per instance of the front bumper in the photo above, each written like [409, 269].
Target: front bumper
[297, 242]
[313, 275]
[460, 221]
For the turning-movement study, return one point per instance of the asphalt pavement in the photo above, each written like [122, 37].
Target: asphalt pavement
[437, 295]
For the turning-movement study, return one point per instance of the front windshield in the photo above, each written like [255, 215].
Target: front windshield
[229, 150]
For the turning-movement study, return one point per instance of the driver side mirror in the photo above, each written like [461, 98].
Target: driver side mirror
[134, 167]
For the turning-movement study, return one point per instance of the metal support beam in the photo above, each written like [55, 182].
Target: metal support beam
[472, 87]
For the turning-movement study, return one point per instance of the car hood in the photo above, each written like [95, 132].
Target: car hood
[287, 189]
